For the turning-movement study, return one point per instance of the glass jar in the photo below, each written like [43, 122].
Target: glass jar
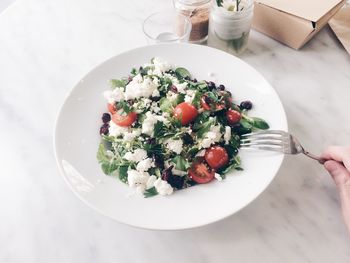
[229, 29]
[198, 12]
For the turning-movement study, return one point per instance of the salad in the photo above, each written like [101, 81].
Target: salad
[166, 131]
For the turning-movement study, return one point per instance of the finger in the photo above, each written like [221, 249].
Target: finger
[338, 153]
[340, 174]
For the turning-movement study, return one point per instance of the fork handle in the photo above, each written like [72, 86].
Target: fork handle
[317, 158]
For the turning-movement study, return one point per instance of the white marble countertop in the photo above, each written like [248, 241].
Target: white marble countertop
[46, 46]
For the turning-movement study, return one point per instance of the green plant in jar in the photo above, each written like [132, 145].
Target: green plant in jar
[229, 26]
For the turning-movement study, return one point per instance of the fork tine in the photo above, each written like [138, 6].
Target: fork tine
[263, 147]
[264, 143]
[268, 132]
[259, 138]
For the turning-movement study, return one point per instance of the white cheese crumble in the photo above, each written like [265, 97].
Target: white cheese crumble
[211, 137]
[227, 135]
[144, 165]
[149, 121]
[140, 87]
[137, 156]
[140, 181]
[163, 187]
[114, 95]
[160, 66]
[201, 153]
[218, 177]
[129, 136]
[116, 130]
[181, 87]
[190, 94]
[174, 145]
[171, 96]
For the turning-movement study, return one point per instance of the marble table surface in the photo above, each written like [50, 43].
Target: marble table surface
[46, 46]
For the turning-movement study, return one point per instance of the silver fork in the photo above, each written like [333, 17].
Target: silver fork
[274, 140]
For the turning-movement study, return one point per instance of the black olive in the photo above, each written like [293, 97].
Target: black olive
[221, 87]
[211, 85]
[187, 139]
[106, 117]
[104, 129]
[246, 105]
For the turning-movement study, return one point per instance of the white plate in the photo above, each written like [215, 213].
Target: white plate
[77, 139]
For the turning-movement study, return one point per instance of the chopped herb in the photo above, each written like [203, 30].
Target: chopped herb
[120, 83]
[150, 192]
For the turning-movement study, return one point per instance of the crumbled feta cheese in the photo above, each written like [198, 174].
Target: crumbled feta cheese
[211, 137]
[140, 87]
[149, 121]
[114, 95]
[218, 177]
[154, 107]
[178, 172]
[190, 94]
[171, 96]
[137, 156]
[201, 153]
[174, 145]
[129, 136]
[227, 135]
[181, 87]
[160, 65]
[144, 165]
[116, 130]
[150, 182]
[136, 178]
[163, 187]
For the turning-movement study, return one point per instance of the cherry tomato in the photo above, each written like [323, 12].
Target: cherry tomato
[233, 116]
[185, 112]
[111, 108]
[200, 173]
[216, 157]
[123, 119]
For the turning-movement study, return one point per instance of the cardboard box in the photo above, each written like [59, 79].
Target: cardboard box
[293, 22]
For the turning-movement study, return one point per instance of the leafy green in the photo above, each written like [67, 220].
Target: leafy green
[182, 73]
[259, 123]
[233, 164]
[253, 123]
[133, 71]
[109, 167]
[124, 105]
[165, 104]
[159, 129]
[153, 149]
[150, 192]
[181, 163]
[180, 98]
[196, 99]
[123, 173]
[204, 127]
[120, 83]
[165, 84]
[101, 154]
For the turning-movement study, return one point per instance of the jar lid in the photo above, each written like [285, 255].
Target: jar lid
[193, 2]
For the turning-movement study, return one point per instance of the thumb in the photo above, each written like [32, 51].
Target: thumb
[341, 178]
[340, 174]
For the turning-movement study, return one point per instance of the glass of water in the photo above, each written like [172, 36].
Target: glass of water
[167, 27]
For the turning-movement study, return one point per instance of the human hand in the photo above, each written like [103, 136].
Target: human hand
[338, 165]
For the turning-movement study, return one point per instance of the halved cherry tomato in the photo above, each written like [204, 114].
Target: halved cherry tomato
[216, 157]
[233, 116]
[185, 112]
[124, 119]
[200, 173]
[111, 108]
